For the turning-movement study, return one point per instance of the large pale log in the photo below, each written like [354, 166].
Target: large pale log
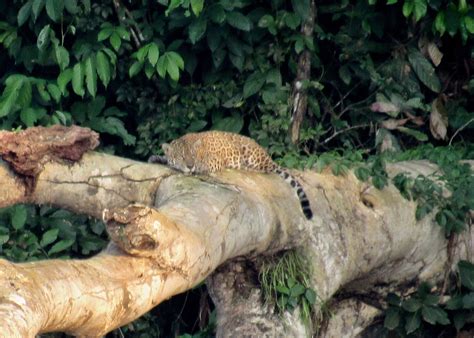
[178, 229]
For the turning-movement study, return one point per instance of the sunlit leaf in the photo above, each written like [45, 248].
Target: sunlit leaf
[153, 54]
[197, 6]
[61, 246]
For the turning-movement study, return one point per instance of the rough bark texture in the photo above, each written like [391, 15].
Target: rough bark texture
[236, 283]
[171, 231]
[303, 73]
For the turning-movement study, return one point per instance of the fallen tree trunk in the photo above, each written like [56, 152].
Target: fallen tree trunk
[170, 231]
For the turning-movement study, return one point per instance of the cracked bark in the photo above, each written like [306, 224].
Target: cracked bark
[170, 231]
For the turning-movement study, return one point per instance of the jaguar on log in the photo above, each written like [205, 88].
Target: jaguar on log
[212, 151]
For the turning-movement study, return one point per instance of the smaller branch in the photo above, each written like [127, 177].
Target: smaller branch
[365, 125]
[118, 6]
[138, 30]
[460, 129]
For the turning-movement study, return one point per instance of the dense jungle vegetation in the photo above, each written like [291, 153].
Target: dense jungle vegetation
[345, 84]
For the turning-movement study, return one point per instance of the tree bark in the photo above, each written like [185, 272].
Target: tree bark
[170, 231]
[303, 73]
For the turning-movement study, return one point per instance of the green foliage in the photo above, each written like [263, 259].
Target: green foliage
[425, 313]
[448, 190]
[285, 282]
[29, 233]
[385, 77]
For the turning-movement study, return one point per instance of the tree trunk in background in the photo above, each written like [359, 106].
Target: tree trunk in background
[300, 95]
[170, 231]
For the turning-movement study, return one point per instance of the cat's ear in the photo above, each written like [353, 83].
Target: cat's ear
[165, 147]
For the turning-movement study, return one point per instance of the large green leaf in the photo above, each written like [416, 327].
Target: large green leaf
[43, 38]
[63, 79]
[412, 322]
[54, 8]
[78, 79]
[392, 318]
[49, 237]
[135, 68]
[216, 13]
[91, 76]
[17, 93]
[420, 8]
[24, 95]
[197, 29]
[54, 91]
[71, 6]
[177, 59]
[18, 217]
[41, 88]
[412, 304]
[153, 54]
[253, 84]
[24, 13]
[239, 21]
[172, 68]
[434, 315]
[233, 124]
[62, 57]
[469, 23]
[197, 6]
[115, 41]
[424, 70]
[417, 7]
[103, 68]
[161, 66]
[36, 8]
[61, 246]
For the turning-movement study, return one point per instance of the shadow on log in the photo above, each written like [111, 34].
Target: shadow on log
[170, 231]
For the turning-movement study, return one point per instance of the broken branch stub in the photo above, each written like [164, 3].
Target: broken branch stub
[27, 151]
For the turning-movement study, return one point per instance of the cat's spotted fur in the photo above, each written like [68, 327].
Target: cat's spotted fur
[213, 151]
